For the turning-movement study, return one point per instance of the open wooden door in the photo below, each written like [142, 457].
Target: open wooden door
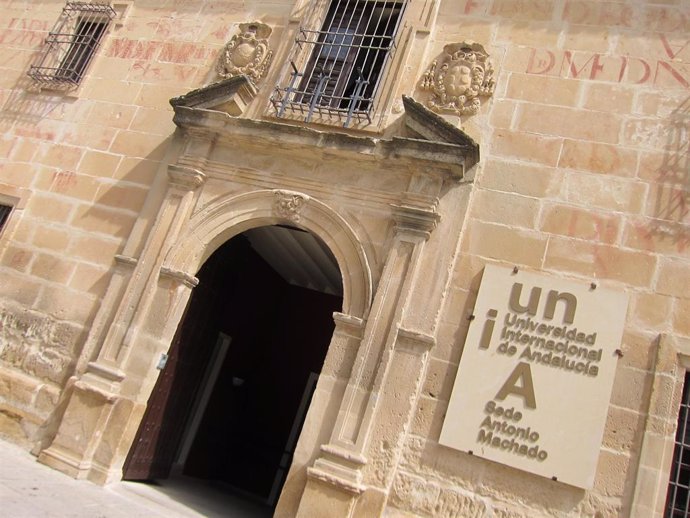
[172, 400]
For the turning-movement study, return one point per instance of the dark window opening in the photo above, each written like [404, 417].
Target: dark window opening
[4, 215]
[678, 496]
[71, 44]
[81, 49]
[342, 63]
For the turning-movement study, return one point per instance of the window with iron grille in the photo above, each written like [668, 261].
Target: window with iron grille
[4, 215]
[336, 70]
[71, 44]
[678, 497]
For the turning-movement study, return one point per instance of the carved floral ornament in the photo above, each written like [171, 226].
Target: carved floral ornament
[246, 53]
[459, 78]
[289, 204]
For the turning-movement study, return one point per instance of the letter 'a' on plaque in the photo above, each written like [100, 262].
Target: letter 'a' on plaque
[542, 348]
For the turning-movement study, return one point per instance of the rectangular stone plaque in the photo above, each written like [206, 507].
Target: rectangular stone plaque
[534, 382]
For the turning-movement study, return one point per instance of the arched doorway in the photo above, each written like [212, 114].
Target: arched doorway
[231, 399]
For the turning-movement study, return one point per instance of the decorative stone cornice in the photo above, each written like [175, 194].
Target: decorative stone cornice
[420, 120]
[188, 280]
[416, 220]
[185, 177]
[230, 96]
[438, 149]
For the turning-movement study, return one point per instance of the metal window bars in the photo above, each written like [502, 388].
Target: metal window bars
[4, 214]
[71, 44]
[678, 496]
[336, 71]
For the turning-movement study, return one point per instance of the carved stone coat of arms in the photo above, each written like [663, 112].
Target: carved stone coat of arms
[459, 79]
[246, 53]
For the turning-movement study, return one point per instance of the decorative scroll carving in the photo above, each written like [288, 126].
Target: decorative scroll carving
[247, 53]
[289, 204]
[185, 177]
[459, 78]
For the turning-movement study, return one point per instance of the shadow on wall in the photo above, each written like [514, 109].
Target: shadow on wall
[672, 204]
[103, 199]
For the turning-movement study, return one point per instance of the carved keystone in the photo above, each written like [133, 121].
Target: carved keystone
[289, 204]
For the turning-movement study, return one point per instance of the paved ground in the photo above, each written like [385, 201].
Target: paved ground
[31, 490]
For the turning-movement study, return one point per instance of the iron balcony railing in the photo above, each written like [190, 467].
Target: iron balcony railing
[336, 71]
[71, 44]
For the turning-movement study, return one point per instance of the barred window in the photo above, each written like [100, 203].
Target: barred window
[678, 497]
[4, 215]
[71, 44]
[335, 70]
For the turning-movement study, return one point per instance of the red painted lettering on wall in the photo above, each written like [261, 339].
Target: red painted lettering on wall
[24, 32]
[663, 73]
[132, 49]
[183, 53]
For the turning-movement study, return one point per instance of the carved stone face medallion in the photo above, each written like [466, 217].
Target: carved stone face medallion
[289, 204]
[459, 78]
[246, 53]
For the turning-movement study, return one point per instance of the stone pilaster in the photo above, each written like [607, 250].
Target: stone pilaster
[96, 400]
[340, 475]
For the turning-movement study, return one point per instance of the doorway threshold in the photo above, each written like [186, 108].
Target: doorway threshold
[185, 497]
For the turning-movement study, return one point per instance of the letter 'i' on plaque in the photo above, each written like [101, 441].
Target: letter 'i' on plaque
[563, 338]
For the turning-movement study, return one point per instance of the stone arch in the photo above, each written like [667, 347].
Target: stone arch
[231, 215]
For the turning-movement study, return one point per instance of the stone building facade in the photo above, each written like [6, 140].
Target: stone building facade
[217, 258]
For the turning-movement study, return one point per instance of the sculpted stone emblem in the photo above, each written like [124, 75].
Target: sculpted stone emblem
[289, 204]
[246, 53]
[459, 78]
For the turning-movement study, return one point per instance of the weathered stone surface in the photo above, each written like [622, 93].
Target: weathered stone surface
[576, 166]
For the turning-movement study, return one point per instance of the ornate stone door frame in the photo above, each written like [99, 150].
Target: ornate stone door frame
[373, 372]
[145, 302]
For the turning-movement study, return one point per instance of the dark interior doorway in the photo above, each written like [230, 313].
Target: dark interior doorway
[229, 403]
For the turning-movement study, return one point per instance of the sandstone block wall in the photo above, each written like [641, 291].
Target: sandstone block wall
[582, 177]
[584, 173]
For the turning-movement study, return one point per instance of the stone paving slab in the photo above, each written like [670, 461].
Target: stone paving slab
[29, 489]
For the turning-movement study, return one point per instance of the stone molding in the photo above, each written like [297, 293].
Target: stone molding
[234, 212]
[459, 79]
[415, 340]
[339, 467]
[416, 220]
[353, 488]
[105, 371]
[123, 260]
[349, 325]
[185, 177]
[658, 441]
[231, 96]
[449, 161]
[188, 280]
